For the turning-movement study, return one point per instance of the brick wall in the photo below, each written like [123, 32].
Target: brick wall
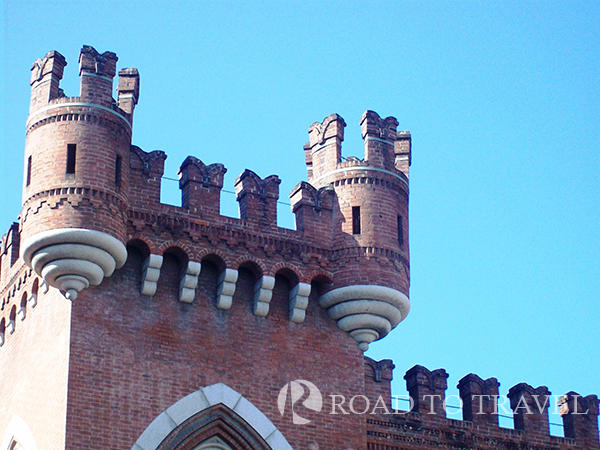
[34, 359]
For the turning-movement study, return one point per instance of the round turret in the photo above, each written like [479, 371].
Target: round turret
[370, 216]
[76, 184]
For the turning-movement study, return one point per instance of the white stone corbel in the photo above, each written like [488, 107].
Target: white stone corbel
[1, 338]
[22, 312]
[298, 302]
[32, 299]
[44, 287]
[150, 274]
[263, 291]
[189, 282]
[226, 288]
[10, 327]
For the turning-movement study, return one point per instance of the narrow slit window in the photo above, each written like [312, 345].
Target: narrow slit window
[118, 169]
[28, 179]
[400, 232]
[356, 220]
[71, 156]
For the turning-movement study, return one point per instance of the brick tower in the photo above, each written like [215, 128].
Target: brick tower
[140, 305]
[76, 188]
[370, 216]
[126, 323]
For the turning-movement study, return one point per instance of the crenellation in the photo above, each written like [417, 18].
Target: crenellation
[378, 377]
[142, 292]
[147, 169]
[530, 407]
[379, 136]
[427, 390]
[323, 152]
[403, 152]
[258, 198]
[97, 71]
[128, 90]
[580, 417]
[201, 186]
[313, 211]
[479, 398]
[427, 427]
[46, 74]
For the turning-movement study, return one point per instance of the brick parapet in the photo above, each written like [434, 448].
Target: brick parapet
[201, 186]
[235, 237]
[479, 399]
[379, 135]
[378, 377]
[580, 417]
[427, 428]
[530, 407]
[46, 74]
[323, 151]
[205, 298]
[97, 71]
[419, 432]
[258, 198]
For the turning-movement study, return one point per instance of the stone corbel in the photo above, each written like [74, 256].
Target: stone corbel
[10, 326]
[150, 274]
[226, 288]
[32, 299]
[298, 302]
[263, 291]
[189, 282]
[44, 287]
[22, 312]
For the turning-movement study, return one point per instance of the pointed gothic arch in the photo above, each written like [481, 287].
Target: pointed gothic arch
[18, 436]
[213, 418]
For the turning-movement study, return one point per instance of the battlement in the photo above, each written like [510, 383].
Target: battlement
[386, 149]
[78, 218]
[425, 423]
[96, 72]
[106, 293]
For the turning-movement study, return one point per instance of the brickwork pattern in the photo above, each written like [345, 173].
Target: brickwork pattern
[426, 426]
[94, 373]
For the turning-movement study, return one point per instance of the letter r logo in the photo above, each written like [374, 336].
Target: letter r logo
[297, 389]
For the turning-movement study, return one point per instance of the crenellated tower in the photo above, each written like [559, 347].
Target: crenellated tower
[76, 184]
[208, 322]
[369, 233]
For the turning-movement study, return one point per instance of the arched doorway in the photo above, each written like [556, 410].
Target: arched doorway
[213, 418]
[215, 428]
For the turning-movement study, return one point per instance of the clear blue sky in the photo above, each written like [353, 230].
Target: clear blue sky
[502, 99]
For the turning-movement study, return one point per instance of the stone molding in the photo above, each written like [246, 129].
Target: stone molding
[72, 259]
[366, 312]
[205, 398]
